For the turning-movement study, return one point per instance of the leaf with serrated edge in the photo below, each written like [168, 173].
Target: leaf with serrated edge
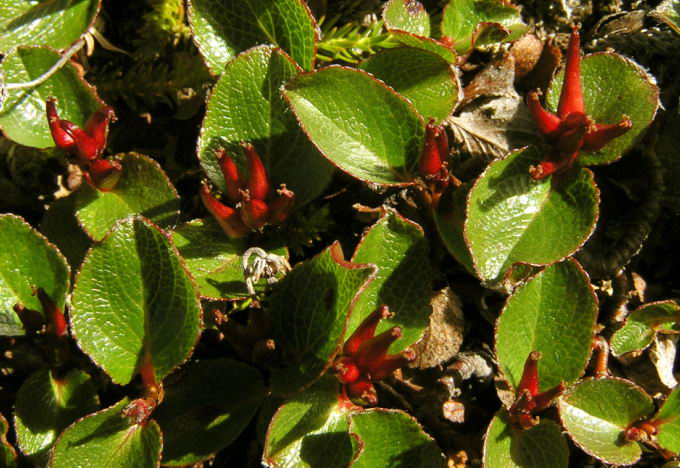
[46, 405]
[553, 313]
[393, 438]
[422, 77]
[223, 29]
[596, 413]
[143, 189]
[407, 15]
[311, 429]
[612, 86]
[512, 218]
[56, 24]
[643, 323]
[107, 439]
[22, 114]
[27, 259]
[668, 435]
[133, 295]
[358, 123]
[246, 106]
[308, 311]
[541, 446]
[399, 249]
[207, 409]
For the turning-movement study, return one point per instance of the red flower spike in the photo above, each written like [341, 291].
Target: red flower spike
[62, 138]
[97, 126]
[85, 149]
[544, 399]
[346, 370]
[435, 151]
[573, 130]
[228, 218]
[54, 315]
[232, 178]
[521, 410]
[571, 98]
[364, 390]
[104, 174]
[392, 363]
[547, 123]
[529, 380]
[371, 353]
[280, 207]
[604, 133]
[365, 330]
[258, 182]
[254, 212]
[551, 165]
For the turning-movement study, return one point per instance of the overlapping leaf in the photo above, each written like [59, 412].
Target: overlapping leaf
[642, 325]
[407, 15]
[668, 435]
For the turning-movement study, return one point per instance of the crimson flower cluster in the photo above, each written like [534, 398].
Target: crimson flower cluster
[529, 400]
[571, 130]
[253, 204]
[86, 146]
[432, 164]
[364, 358]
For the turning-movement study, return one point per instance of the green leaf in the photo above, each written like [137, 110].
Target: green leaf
[449, 217]
[107, 439]
[538, 447]
[553, 313]
[668, 11]
[207, 409]
[311, 430]
[400, 250]
[612, 86]
[60, 226]
[134, 296]
[407, 15]
[425, 43]
[472, 23]
[143, 189]
[8, 456]
[596, 413]
[246, 106]
[27, 260]
[422, 77]
[46, 405]
[358, 123]
[668, 435]
[22, 114]
[512, 218]
[57, 23]
[308, 311]
[393, 438]
[223, 29]
[642, 325]
[214, 259]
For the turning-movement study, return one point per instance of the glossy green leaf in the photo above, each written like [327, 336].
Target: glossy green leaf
[107, 439]
[668, 11]
[612, 86]
[27, 260]
[214, 259]
[449, 218]
[143, 189]
[510, 447]
[642, 325]
[223, 29]
[311, 430]
[512, 218]
[596, 413]
[400, 250]
[393, 438]
[308, 311]
[8, 456]
[424, 78]
[426, 43]
[553, 313]
[133, 295]
[207, 409]
[60, 226]
[246, 106]
[668, 435]
[472, 23]
[56, 24]
[22, 114]
[407, 15]
[358, 123]
[46, 405]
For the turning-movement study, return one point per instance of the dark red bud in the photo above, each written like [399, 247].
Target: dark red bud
[85, 147]
[258, 183]
[371, 353]
[280, 206]
[553, 164]
[97, 127]
[254, 212]
[346, 370]
[548, 124]
[435, 151]
[32, 320]
[54, 315]
[571, 97]
[232, 179]
[228, 218]
[544, 399]
[363, 390]
[62, 138]
[604, 133]
[529, 380]
[365, 330]
[104, 174]
[521, 411]
[573, 129]
[392, 363]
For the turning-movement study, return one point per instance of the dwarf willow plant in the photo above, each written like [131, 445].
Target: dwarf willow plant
[150, 328]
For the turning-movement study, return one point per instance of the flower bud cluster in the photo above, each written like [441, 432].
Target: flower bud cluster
[432, 164]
